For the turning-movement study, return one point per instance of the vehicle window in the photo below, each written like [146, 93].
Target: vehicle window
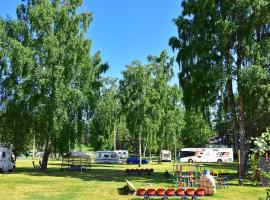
[4, 154]
[106, 156]
[124, 153]
[113, 156]
[187, 154]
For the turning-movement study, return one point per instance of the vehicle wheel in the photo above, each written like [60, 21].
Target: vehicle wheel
[219, 161]
[12, 170]
[190, 160]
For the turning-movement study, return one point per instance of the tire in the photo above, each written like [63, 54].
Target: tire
[12, 170]
[219, 161]
[190, 160]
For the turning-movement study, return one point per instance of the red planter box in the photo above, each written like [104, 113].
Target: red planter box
[160, 192]
[151, 192]
[190, 192]
[200, 192]
[180, 192]
[141, 192]
[170, 192]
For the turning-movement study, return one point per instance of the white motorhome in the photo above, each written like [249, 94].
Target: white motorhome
[7, 163]
[123, 154]
[107, 157]
[166, 156]
[206, 155]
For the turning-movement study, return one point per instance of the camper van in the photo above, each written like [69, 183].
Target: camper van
[7, 163]
[107, 157]
[123, 154]
[166, 156]
[206, 155]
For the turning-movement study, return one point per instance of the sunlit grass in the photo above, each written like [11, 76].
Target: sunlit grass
[104, 182]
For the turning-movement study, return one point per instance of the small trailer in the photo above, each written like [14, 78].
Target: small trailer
[206, 155]
[107, 157]
[166, 156]
[7, 162]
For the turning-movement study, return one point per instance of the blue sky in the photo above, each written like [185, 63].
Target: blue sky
[125, 30]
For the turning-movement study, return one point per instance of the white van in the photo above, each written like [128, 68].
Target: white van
[206, 155]
[7, 163]
[107, 157]
[166, 156]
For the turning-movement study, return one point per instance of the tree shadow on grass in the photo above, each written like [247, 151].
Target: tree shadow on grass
[116, 174]
[106, 174]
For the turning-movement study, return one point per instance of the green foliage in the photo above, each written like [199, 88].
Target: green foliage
[197, 131]
[48, 75]
[223, 55]
[150, 105]
[256, 82]
[135, 90]
[106, 119]
[262, 143]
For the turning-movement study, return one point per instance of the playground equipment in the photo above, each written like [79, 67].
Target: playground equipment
[76, 161]
[189, 176]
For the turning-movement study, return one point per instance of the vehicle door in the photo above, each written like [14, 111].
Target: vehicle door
[199, 156]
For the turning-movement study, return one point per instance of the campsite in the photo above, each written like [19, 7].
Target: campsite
[135, 99]
[105, 181]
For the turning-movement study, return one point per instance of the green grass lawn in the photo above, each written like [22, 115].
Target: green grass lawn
[105, 182]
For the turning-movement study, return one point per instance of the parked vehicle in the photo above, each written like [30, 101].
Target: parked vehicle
[136, 160]
[206, 155]
[7, 162]
[39, 154]
[123, 154]
[107, 157]
[166, 156]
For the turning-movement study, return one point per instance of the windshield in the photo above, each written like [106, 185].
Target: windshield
[186, 154]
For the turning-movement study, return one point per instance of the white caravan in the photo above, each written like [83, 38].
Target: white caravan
[7, 162]
[206, 155]
[107, 157]
[166, 156]
[123, 154]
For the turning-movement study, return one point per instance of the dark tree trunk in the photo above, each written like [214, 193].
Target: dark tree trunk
[242, 140]
[242, 131]
[231, 98]
[232, 106]
[45, 158]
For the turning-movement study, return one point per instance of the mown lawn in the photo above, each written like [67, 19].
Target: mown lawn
[105, 182]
